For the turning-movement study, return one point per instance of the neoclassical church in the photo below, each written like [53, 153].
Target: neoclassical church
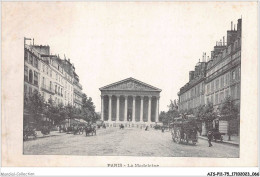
[130, 102]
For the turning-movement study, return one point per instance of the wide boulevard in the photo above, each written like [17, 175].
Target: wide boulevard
[126, 142]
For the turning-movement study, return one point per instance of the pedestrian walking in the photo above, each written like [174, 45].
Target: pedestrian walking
[162, 129]
[210, 137]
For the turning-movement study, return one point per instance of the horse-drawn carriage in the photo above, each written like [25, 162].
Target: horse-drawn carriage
[90, 129]
[184, 130]
[29, 131]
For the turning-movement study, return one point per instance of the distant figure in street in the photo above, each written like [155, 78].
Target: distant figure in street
[162, 129]
[210, 137]
[146, 128]
[121, 126]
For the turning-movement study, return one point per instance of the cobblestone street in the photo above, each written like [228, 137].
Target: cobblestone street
[127, 142]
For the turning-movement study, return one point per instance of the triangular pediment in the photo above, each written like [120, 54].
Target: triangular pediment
[130, 84]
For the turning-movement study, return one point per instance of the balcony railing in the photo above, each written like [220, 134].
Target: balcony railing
[48, 89]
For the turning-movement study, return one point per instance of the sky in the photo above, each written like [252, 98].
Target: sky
[156, 43]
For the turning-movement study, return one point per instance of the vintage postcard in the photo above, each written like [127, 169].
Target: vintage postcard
[129, 84]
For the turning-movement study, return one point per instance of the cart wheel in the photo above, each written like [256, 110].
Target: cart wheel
[178, 136]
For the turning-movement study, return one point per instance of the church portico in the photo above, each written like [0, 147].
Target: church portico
[130, 102]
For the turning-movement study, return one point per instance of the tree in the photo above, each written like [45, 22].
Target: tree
[229, 111]
[167, 117]
[163, 117]
[88, 109]
[52, 111]
[200, 112]
[70, 111]
[173, 105]
[206, 114]
[36, 105]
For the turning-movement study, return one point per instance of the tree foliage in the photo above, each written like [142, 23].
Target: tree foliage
[58, 113]
[88, 109]
[167, 117]
[35, 104]
[229, 110]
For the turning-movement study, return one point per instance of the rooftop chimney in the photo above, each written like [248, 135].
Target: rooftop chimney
[234, 27]
[231, 25]
[223, 40]
[33, 41]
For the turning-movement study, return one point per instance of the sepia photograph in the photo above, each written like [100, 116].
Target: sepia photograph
[129, 80]
[201, 118]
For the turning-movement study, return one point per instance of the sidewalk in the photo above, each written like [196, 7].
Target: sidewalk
[234, 140]
[52, 133]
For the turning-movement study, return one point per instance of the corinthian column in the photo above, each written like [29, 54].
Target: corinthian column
[102, 107]
[141, 109]
[117, 107]
[133, 112]
[110, 105]
[157, 109]
[149, 110]
[125, 117]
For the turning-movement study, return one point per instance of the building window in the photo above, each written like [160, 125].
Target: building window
[30, 90]
[47, 70]
[35, 62]
[35, 78]
[25, 88]
[55, 88]
[51, 73]
[212, 86]
[56, 77]
[26, 73]
[30, 76]
[25, 56]
[224, 78]
[50, 85]
[239, 72]
[216, 98]
[238, 91]
[31, 59]
[222, 82]
[217, 84]
[233, 75]
[227, 93]
[43, 68]
[221, 97]
[43, 81]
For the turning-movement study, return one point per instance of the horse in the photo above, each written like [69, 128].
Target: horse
[90, 129]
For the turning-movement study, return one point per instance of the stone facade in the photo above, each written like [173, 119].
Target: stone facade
[130, 102]
[218, 77]
[52, 76]
[224, 70]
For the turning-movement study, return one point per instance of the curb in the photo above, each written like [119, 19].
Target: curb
[223, 142]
